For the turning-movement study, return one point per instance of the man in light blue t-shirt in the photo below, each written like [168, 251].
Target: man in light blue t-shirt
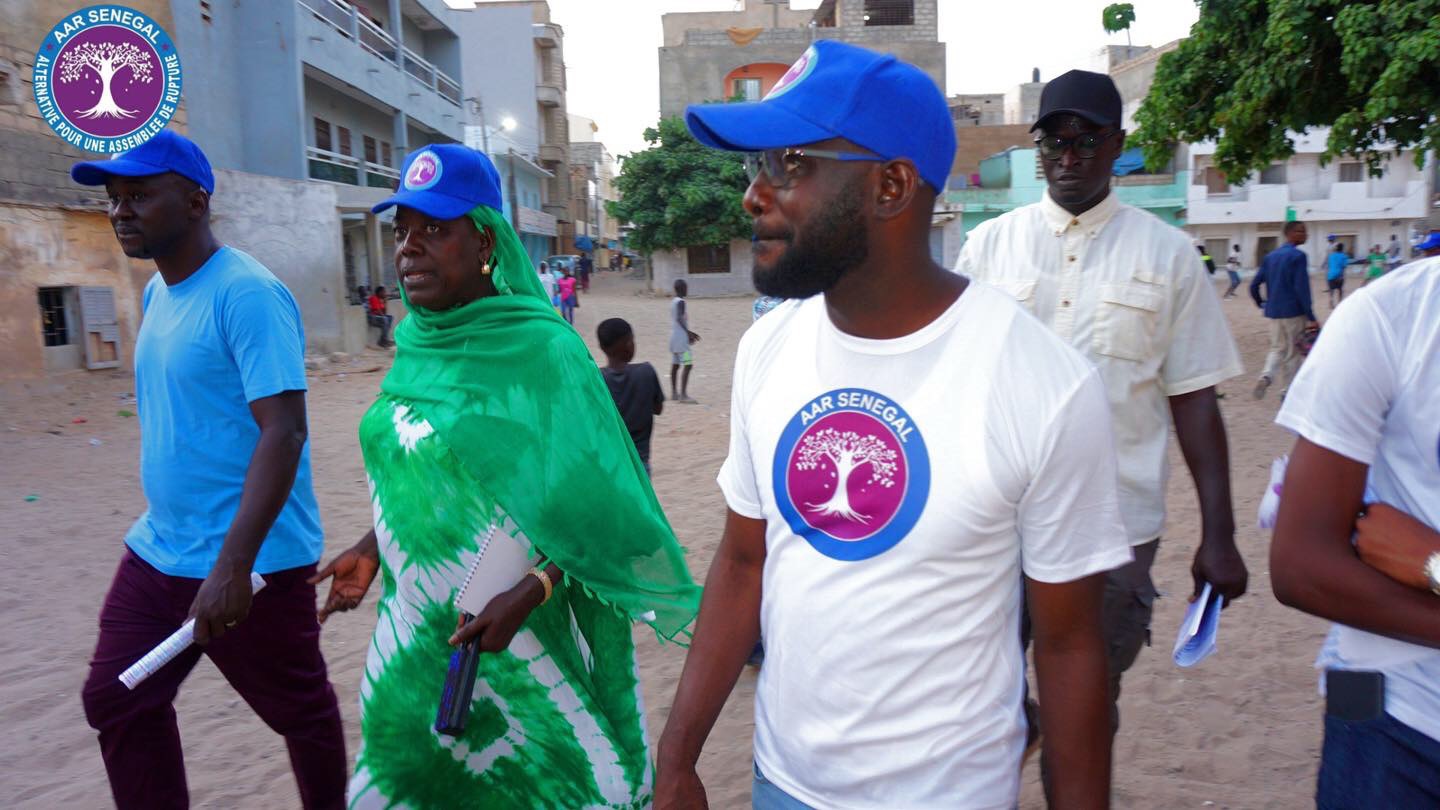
[225, 464]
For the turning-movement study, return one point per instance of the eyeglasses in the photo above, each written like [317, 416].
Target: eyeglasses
[1085, 145]
[783, 167]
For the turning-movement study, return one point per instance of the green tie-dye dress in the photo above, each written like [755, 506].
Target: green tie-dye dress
[556, 720]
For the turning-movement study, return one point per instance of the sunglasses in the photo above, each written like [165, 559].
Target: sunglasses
[1085, 146]
[783, 167]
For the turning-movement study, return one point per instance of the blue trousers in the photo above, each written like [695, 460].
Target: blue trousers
[1377, 763]
[766, 796]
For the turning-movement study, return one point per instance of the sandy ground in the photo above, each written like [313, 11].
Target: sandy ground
[1242, 730]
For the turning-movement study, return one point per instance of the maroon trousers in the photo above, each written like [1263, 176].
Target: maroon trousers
[272, 659]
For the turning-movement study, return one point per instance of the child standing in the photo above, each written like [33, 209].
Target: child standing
[567, 295]
[680, 339]
[635, 387]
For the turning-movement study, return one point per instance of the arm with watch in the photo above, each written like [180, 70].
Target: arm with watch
[1399, 546]
[1379, 586]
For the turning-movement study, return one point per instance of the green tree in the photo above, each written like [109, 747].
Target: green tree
[1117, 17]
[679, 193]
[1253, 70]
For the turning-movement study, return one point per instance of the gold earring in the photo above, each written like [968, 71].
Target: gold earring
[485, 268]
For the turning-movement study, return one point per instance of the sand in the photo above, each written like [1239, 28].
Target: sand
[1242, 730]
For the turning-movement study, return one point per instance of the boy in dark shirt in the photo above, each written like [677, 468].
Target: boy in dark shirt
[635, 387]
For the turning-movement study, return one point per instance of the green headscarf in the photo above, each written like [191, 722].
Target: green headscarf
[518, 398]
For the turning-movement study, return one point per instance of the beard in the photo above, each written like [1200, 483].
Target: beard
[832, 244]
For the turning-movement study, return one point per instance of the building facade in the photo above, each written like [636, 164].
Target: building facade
[514, 71]
[1340, 202]
[69, 297]
[592, 171]
[715, 55]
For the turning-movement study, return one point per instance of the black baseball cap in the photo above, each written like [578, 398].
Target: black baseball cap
[1091, 96]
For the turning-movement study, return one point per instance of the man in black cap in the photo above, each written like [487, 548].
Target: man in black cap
[1131, 294]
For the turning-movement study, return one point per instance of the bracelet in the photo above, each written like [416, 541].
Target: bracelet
[544, 578]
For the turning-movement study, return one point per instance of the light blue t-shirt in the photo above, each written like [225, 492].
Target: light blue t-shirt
[224, 337]
[1338, 261]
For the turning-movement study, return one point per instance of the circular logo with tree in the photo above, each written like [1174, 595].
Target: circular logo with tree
[107, 78]
[851, 474]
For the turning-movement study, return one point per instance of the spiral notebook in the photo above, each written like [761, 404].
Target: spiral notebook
[503, 560]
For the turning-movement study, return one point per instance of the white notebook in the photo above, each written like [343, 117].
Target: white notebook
[503, 560]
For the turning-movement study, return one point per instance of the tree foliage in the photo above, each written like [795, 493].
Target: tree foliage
[1117, 17]
[1253, 70]
[679, 193]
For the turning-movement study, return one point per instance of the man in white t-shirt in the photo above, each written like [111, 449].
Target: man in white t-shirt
[904, 444]
[1128, 292]
[1366, 408]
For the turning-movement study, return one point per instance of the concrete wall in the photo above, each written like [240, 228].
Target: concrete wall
[45, 246]
[290, 227]
[754, 14]
[974, 144]
[698, 53]
[673, 264]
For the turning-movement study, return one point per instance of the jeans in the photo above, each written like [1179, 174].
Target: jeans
[765, 796]
[1234, 282]
[1377, 763]
[384, 322]
[272, 659]
[567, 309]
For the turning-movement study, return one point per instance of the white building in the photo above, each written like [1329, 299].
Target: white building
[1339, 200]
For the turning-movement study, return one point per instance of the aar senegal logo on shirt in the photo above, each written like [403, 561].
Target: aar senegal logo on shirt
[107, 78]
[851, 474]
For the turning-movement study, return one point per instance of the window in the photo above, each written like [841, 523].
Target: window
[344, 141]
[1216, 182]
[322, 134]
[1351, 173]
[747, 89]
[387, 158]
[370, 156]
[1273, 175]
[708, 259]
[52, 316]
[889, 12]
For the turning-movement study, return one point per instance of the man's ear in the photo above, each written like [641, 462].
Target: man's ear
[899, 182]
[199, 204]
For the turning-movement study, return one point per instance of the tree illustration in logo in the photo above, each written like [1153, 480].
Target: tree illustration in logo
[105, 59]
[847, 451]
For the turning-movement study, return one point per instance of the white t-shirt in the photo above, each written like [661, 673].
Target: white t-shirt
[1370, 391]
[1131, 294]
[905, 484]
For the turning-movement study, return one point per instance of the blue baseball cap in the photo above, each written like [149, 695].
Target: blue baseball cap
[446, 181]
[837, 90]
[1431, 243]
[165, 151]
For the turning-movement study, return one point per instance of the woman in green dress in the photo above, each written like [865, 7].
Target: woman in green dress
[494, 414]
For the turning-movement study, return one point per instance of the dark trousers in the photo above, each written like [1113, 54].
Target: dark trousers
[384, 322]
[1377, 763]
[272, 659]
[1125, 619]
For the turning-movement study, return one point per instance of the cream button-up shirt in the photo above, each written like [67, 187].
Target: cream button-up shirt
[1131, 294]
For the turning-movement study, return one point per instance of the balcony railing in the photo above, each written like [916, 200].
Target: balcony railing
[334, 167]
[349, 23]
[432, 77]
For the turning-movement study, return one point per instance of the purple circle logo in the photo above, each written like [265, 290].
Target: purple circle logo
[424, 171]
[107, 78]
[798, 71]
[851, 473]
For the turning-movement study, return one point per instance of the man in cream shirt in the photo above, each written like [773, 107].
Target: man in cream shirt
[1130, 293]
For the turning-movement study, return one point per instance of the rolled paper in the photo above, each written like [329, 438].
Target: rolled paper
[177, 643]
